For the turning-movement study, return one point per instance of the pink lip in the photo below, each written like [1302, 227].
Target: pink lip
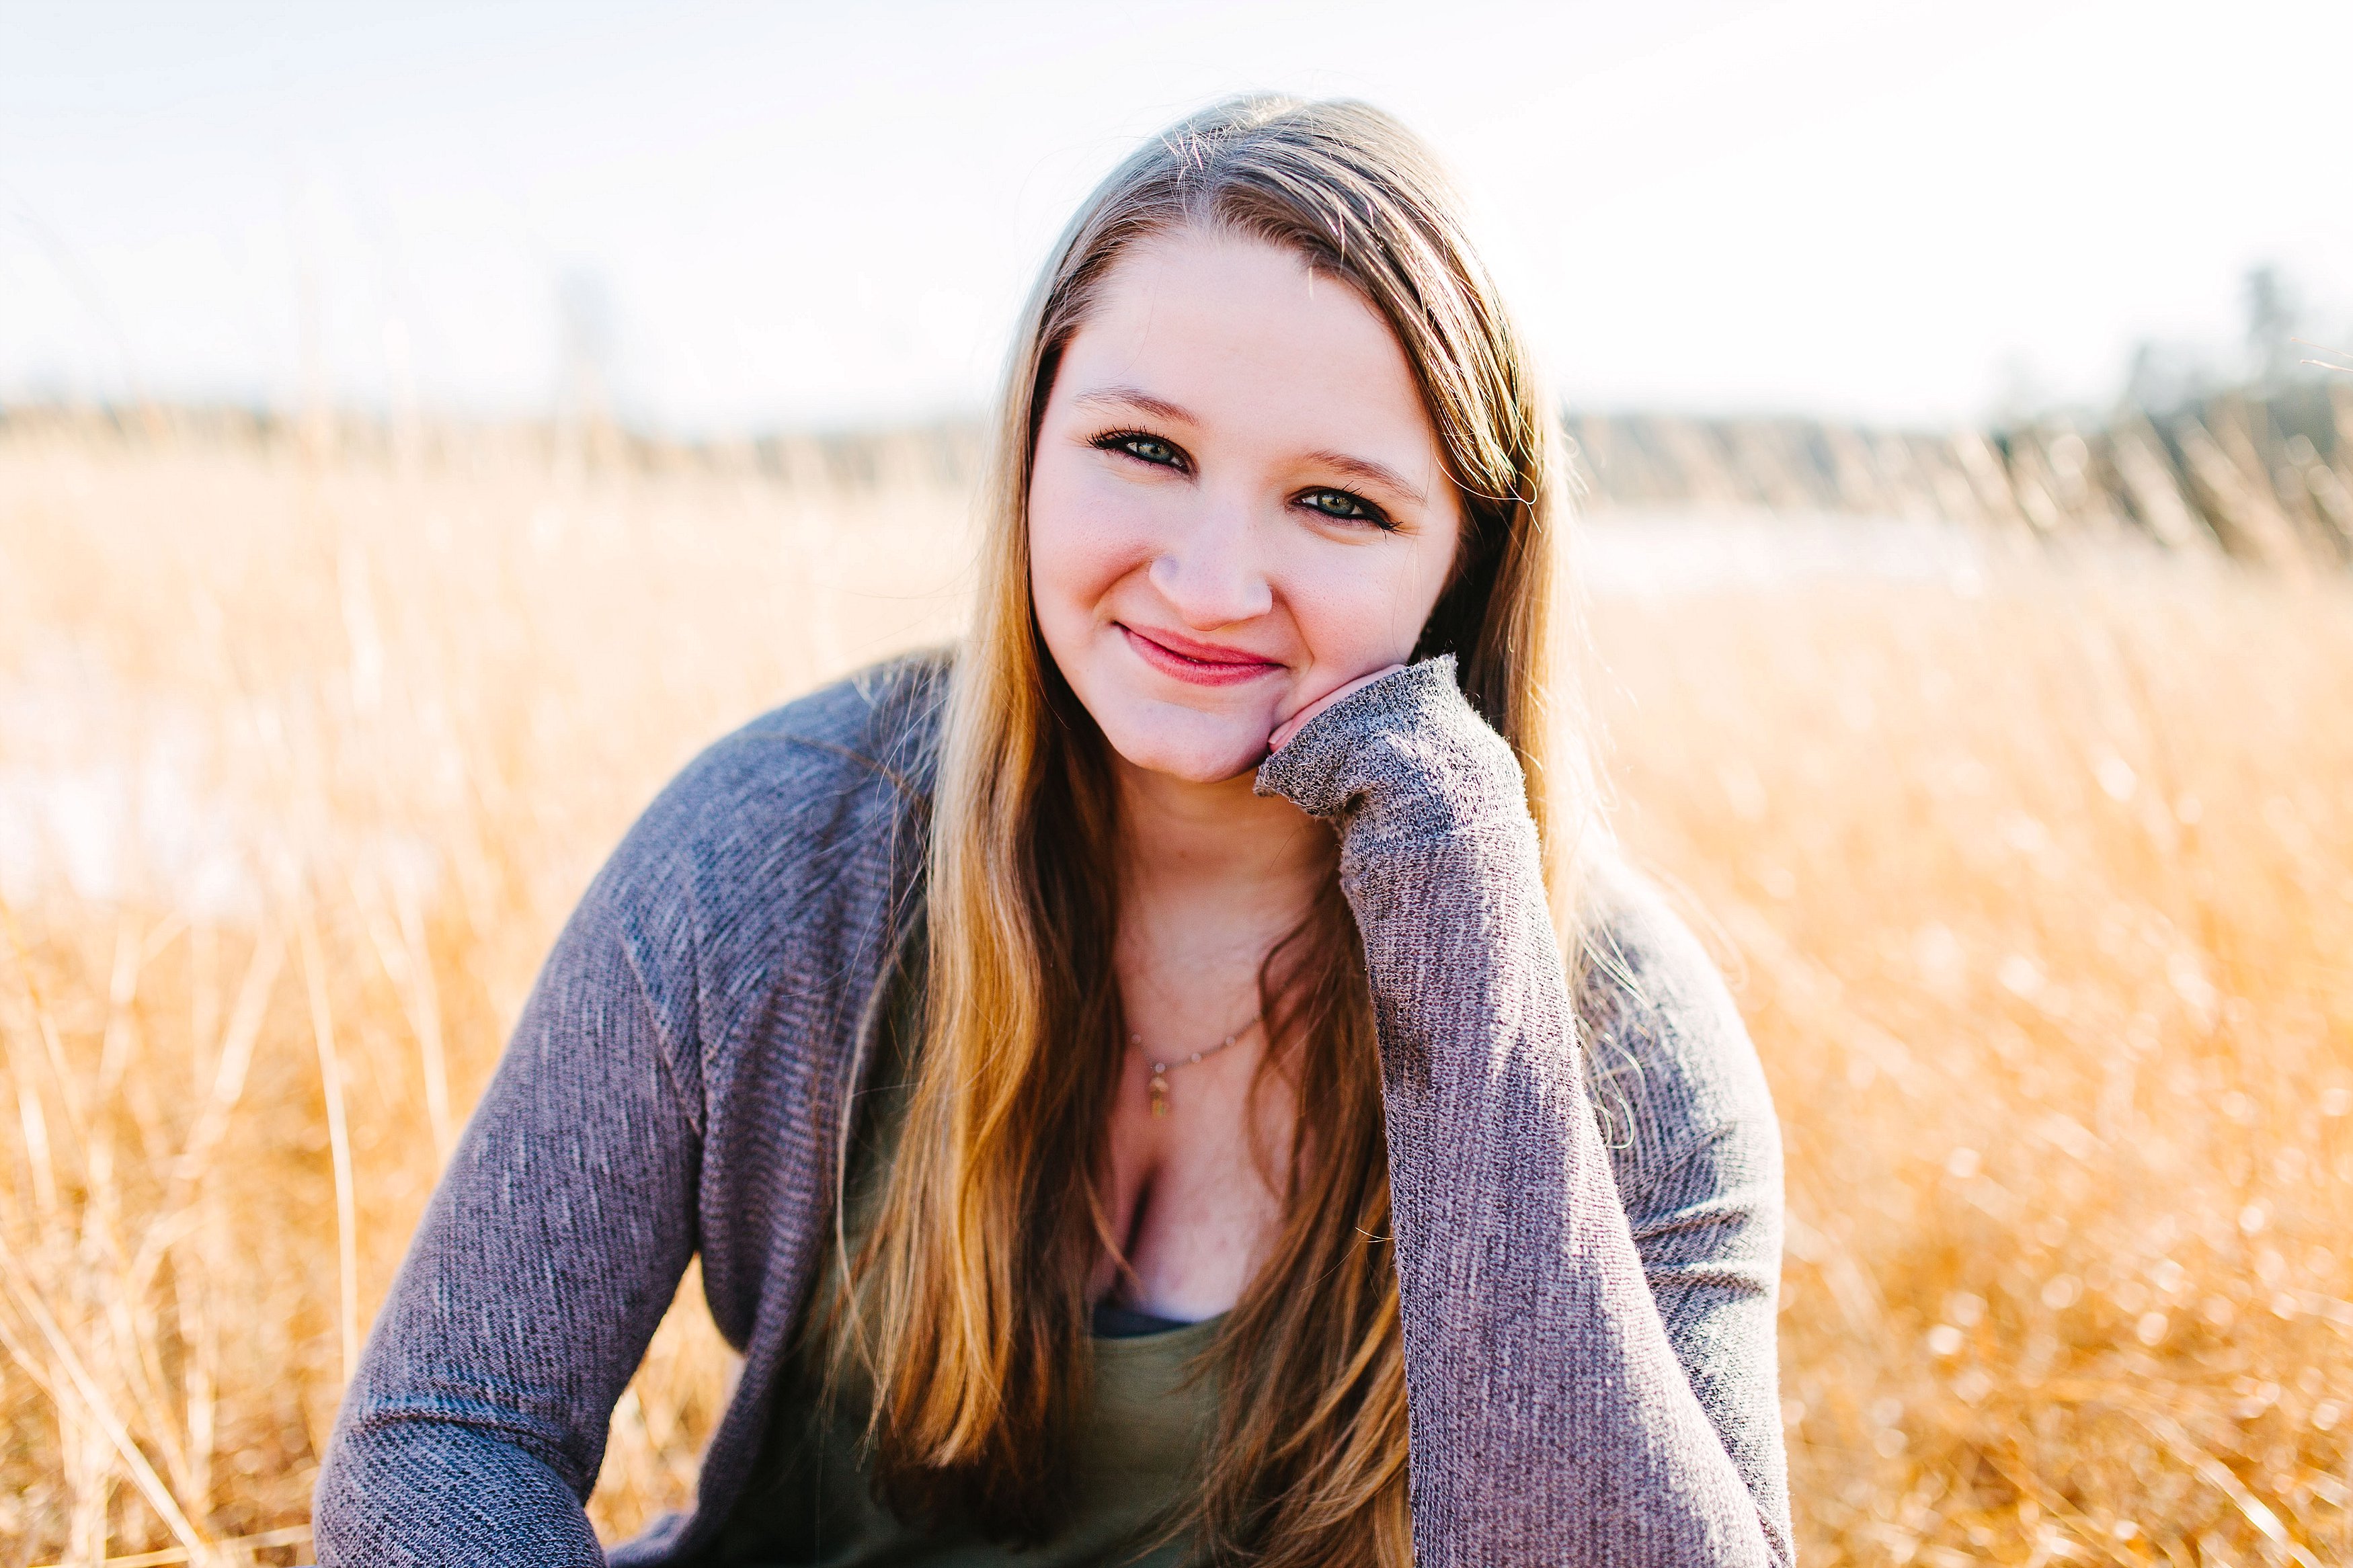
[1197, 663]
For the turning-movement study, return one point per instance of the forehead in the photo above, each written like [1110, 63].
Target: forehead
[1252, 342]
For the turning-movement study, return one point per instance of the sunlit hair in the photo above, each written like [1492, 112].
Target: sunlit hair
[972, 1286]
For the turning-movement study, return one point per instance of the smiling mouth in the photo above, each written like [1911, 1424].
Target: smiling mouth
[1197, 664]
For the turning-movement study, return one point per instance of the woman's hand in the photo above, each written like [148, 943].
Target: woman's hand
[1290, 726]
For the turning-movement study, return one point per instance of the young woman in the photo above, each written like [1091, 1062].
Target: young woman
[1106, 1141]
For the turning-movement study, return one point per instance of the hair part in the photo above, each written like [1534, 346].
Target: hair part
[970, 1290]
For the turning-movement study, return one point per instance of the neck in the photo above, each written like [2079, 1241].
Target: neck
[1216, 846]
[1211, 877]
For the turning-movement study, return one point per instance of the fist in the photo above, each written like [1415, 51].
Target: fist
[1292, 726]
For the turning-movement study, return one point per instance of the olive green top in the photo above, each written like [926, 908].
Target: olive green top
[809, 1502]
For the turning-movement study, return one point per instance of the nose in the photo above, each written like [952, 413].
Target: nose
[1209, 571]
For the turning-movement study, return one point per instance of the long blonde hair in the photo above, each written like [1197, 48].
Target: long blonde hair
[971, 1288]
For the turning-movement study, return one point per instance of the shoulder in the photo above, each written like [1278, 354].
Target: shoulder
[838, 753]
[875, 729]
[769, 817]
[773, 861]
[1671, 1063]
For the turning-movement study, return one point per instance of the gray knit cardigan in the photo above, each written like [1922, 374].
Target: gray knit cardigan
[1586, 1192]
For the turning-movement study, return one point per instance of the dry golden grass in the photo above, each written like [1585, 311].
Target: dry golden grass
[2037, 896]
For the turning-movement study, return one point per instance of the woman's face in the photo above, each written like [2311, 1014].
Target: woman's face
[1238, 504]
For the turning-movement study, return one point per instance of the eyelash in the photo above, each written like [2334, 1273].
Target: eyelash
[1125, 442]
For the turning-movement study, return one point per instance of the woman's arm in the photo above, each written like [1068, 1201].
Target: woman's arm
[1553, 1416]
[474, 1428]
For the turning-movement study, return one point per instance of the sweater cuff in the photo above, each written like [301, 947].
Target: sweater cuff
[1411, 737]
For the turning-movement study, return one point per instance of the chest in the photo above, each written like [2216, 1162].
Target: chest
[1199, 1150]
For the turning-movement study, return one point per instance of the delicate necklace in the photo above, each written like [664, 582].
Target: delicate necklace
[1160, 1069]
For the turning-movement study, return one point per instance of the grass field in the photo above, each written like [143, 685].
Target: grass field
[2035, 882]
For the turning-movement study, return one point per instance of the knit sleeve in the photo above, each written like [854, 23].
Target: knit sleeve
[1585, 1384]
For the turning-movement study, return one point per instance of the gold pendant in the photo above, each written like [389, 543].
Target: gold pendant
[1159, 1087]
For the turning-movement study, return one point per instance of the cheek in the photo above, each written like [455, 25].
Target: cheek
[1363, 607]
[1084, 537]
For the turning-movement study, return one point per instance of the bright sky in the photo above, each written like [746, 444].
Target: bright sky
[827, 214]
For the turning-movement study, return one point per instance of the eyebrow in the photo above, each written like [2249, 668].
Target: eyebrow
[1372, 473]
[1134, 397]
[1362, 469]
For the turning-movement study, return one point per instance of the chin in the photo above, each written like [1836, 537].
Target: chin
[1193, 747]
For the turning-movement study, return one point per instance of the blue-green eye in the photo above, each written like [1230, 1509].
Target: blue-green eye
[1342, 507]
[1145, 448]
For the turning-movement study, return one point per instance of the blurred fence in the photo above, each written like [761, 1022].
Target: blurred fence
[2264, 480]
